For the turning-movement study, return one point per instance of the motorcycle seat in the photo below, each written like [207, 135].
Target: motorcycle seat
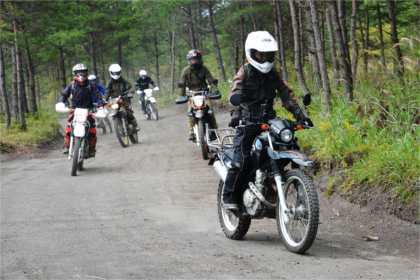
[229, 153]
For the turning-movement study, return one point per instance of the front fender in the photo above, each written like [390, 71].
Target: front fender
[298, 157]
[79, 130]
[151, 100]
[200, 113]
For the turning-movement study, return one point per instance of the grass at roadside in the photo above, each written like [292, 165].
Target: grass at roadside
[42, 126]
[373, 140]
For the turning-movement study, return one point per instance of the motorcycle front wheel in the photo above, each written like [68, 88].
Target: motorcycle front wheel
[234, 227]
[302, 200]
[76, 153]
[121, 135]
[134, 138]
[154, 110]
[108, 124]
[148, 112]
[203, 143]
[103, 126]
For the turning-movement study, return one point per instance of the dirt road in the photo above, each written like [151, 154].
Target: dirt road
[149, 211]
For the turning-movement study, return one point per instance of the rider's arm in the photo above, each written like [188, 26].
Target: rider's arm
[98, 95]
[108, 90]
[65, 94]
[101, 88]
[288, 97]
[237, 88]
[183, 81]
[210, 79]
[152, 82]
[127, 83]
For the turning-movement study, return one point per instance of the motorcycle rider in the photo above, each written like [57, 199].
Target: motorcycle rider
[115, 87]
[194, 77]
[142, 83]
[257, 81]
[93, 80]
[83, 92]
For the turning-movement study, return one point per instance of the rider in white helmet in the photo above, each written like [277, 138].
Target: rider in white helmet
[142, 83]
[257, 81]
[118, 85]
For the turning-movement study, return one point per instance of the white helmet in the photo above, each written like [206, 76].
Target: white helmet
[115, 71]
[142, 74]
[261, 41]
[92, 78]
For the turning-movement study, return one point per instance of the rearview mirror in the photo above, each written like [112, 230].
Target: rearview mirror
[307, 99]
[215, 82]
[235, 99]
[179, 85]
[127, 87]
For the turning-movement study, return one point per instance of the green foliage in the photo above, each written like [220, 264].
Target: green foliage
[42, 126]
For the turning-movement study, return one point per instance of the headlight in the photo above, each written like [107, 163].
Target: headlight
[198, 103]
[138, 92]
[115, 106]
[81, 118]
[286, 135]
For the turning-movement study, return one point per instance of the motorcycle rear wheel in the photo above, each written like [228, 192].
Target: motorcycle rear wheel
[234, 227]
[301, 198]
[119, 131]
[76, 152]
[203, 143]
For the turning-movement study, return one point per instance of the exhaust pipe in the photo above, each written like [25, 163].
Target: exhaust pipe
[220, 170]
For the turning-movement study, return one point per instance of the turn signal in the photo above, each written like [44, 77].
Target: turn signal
[189, 100]
[70, 111]
[208, 98]
[108, 105]
[264, 127]
[299, 127]
[121, 101]
[90, 113]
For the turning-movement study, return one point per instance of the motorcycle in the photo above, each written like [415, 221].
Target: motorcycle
[80, 126]
[200, 111]
[103, 119]
[270, 190]
[150, 103]
[123, 129]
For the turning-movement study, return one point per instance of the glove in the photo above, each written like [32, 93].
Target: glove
[216, 92]
[234, 122]
[307, 121]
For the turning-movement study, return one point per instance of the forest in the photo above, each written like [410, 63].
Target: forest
[360, 61]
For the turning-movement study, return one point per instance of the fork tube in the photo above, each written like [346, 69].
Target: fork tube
[71, 147]
[279, 182]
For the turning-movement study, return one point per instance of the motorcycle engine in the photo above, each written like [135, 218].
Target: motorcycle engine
[251, 203]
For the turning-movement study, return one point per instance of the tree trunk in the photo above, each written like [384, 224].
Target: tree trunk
[119, 53]
[354, 44]
[236, 69]
[101, 57]
[4, 93]
[252, 15]
[241, 26]
[367, 38]
[316, 72]
[15, 107]
[62, 68]
[20, 83]
[200, 31]
[399, 66]
[180, 68]
[31, 81]
[365, 57]
[92, 51]
[381, 38]
[298, 66]
[321, 57]
[156, 58]
[302, 45]
[281, 41]
[172, 51]
[336, 66]
[193, 44]
[343, 26]
[39, 92]
[344, 65]
[276, 32]
[215, 43]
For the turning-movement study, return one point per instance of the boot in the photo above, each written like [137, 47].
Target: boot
[92, 153]
[92, 146]
[135, 126]
[192, 137]
[66, 145]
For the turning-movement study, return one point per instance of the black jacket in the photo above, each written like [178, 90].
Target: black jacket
[143, 84]
[82, 95]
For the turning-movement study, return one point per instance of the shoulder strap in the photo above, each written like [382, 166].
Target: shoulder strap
[198, 77]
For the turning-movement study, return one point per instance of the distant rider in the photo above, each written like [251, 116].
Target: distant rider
[194, 77]
[93, 80]
[82, 92]
[116, 86]
[142, 83]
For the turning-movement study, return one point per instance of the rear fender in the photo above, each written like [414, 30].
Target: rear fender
[298, 157]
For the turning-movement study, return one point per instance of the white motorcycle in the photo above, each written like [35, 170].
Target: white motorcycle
[104, 120]
[150, 103]
[80, 126]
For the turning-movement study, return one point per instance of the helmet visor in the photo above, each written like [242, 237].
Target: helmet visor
[115, 73]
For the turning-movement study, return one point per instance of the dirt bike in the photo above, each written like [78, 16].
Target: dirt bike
[79, 145]
[200, 111]
[270, 190]
[123, 129]
[150, 103]
[103, 119]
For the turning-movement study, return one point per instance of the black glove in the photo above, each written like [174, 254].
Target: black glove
[234, 122]
[307, 121]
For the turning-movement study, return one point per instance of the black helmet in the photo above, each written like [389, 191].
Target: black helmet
[194, 54]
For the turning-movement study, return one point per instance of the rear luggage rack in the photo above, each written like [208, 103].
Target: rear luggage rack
[224, 138]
